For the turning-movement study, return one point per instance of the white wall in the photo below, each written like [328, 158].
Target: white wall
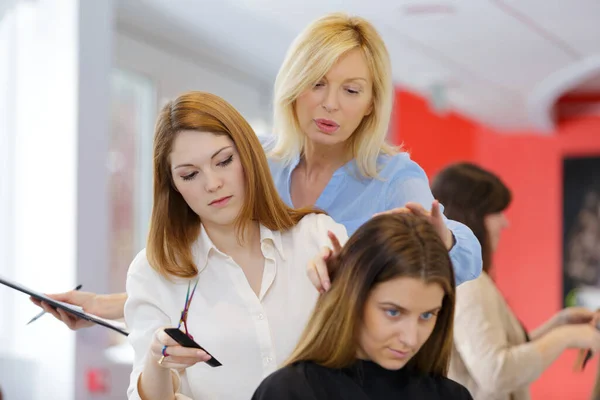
[172, 71]
[175, 71]
[57, 68]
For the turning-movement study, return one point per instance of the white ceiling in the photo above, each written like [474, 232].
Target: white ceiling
[503, 62]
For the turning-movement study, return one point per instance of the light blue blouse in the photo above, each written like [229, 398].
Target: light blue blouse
[351, 200]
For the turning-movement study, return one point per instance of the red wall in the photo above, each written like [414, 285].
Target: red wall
[529, 256]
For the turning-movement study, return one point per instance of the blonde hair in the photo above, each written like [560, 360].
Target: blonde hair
[174, 226]
[310, 57]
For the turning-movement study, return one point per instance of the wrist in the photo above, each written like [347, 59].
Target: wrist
[111, 306]
[152, 363]
[565, 336]
[558, 319]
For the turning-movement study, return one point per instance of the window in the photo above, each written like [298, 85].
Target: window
[133, 111]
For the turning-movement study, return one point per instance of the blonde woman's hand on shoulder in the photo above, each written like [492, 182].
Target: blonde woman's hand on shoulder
[317, 268]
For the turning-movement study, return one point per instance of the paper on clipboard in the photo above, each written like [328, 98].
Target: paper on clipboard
[74, 310]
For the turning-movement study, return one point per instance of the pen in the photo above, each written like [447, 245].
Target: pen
[44, 312]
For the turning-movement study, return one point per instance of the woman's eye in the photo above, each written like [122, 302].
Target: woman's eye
[392, 312]
[427, 316]
[226, 162]
[190, 176]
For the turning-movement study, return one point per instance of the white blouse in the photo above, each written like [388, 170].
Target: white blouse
[251, 336]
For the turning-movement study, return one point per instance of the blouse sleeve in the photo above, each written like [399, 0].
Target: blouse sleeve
[143, 317]
[481, 340]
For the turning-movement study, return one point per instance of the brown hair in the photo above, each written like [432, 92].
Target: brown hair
[468, 194]
[174, 226]
[384, 248]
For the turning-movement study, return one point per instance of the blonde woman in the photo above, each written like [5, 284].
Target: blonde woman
[333, 102]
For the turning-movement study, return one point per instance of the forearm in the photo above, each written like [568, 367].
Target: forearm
[508, 369]
[551, 345]
[112, 305]
[155, 382]
[481, 339]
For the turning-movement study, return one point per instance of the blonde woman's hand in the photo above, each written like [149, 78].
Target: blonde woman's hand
[435, 217]
[317, 268]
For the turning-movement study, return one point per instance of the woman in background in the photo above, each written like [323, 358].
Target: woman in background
[493, 355]
[384, 329]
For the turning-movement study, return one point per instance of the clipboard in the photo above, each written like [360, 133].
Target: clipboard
[71, 309]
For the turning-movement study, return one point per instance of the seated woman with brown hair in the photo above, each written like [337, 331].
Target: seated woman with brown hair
[384, 329]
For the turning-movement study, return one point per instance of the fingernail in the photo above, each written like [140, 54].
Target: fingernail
[326, 285]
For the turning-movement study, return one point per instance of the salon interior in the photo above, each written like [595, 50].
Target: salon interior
[512, 86]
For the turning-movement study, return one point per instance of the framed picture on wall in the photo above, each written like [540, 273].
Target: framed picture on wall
[581, 231]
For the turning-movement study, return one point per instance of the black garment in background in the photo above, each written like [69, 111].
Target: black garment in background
[365, 381]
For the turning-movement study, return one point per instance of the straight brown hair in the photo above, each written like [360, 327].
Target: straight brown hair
[469, 193]
[384, 248]
[174, 226]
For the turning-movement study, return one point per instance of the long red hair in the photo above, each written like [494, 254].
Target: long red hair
[174, 226]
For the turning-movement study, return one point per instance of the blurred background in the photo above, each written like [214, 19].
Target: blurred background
[511, 85]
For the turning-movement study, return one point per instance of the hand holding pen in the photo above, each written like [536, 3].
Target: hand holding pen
[75, 297]
[44, 312]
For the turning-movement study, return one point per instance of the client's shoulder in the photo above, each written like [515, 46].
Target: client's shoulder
[449, 389]
[285, 382]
